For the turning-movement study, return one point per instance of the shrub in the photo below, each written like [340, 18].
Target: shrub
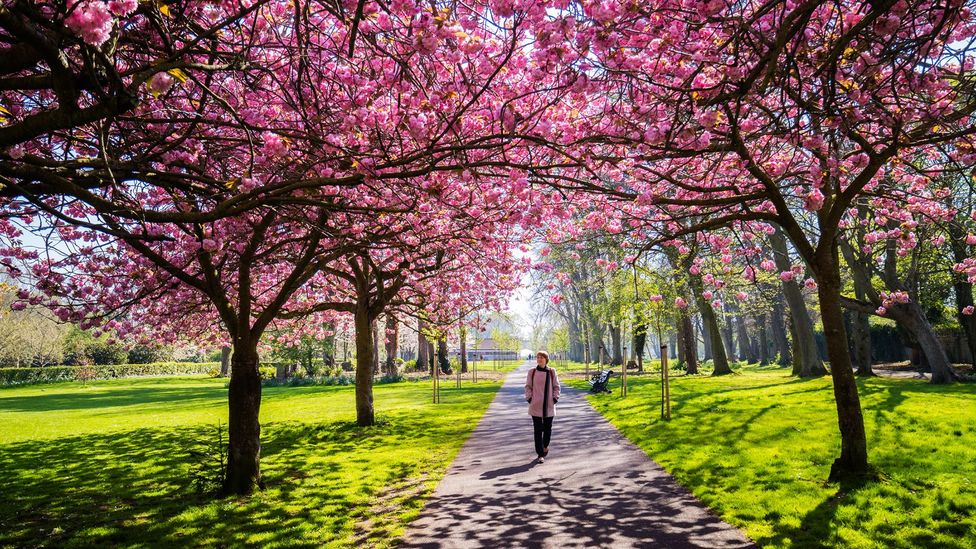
[310, 381]
[144, 354]
[390, 378]
[410, 365]
[103, 353]
[47, 374]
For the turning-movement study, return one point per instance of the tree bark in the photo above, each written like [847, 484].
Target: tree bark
[763, 340]
[392, 344]
[365, 353]
[688, 343]
[780, 341]
[375, 331]
[706, 340]
[443, 362]
[616, 343]
[463, 335]
[853, 458]
[640, 340]
[806, 358]
[224, 361]
[719, 358]
[911, 317]
[243, 475]
[745, 342]
[423, 360]
[963, 289]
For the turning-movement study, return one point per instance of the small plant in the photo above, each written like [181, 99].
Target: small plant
[208, 463]
[84, 374]
[390, 378]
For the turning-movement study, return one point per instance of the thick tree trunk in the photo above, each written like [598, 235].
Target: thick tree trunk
[365, 354]
[746, 346]
[806, 358]
[706, 340]
[617, 345]
[853, 458]
[375, 331]
[763, 340]
[780, 341]
[688, 343]
[443, 362]
[963, 289]
[392, 342]
[912, 319]
[640, 340]
[728, 340]
[224, 361]
[719, 358]
[423, 359]
[243, 474]
[861, 343]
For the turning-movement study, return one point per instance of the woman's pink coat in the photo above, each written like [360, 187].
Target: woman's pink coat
[535, 385]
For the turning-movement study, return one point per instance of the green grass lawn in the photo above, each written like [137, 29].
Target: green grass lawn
[757, 448]
[109, 464]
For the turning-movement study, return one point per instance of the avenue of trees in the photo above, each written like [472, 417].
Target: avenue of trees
[228, 170]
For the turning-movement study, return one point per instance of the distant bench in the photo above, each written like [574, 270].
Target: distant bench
[599, 381]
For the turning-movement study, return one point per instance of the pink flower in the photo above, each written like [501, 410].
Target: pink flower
[968, 310]
[810, 283]
[20, 306]
[767, 265]
[707, 294]
[91, 21]
[742, 296]
[656, 298]
[971, 239]
[786, 276]
[717, 304]
[814, 201]
[680, 303]
[122, 7]
[16, 152]
[881, 311]
[161, 82]
[556, 299]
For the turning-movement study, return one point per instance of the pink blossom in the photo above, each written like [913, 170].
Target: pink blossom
[18, 306]
[91, 21]
[680, 303]
[767, 265]
[707, 294]
[717, 304]
[742, 296]
[881, 311]
[161, 82]
[814, 200]
[968, 310]
[786, 276]
[656, 298]
[556, 299]
[810, 283]
[971, 239]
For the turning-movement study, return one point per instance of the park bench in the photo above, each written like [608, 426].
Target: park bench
[599, 381]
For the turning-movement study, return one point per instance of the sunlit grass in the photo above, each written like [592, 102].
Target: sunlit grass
[108, 464]
[757, 447]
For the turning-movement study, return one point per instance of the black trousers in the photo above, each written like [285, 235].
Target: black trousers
[543, 431]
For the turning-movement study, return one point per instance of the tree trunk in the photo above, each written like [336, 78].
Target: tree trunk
[640, 340]
[706, 340]
[375, 332]
[463, 335]
[963, 289]
[392, 344]
[853, 458]
[780, 341]
[806, 358]
[745, 343]
[365, 354]
[616, 343]
[714, 338]
[763, 340]
[224, 361]
[689, 343]
[423, 360]
[243, 474]
[911, 317]
[728, 340]
[442, 359]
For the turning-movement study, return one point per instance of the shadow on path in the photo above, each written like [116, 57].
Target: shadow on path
[595, 489]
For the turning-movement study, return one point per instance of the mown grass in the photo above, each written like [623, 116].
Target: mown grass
[109, 464]
[757, 447]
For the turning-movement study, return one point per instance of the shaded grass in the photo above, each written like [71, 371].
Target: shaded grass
[108, 464]
[757, 448]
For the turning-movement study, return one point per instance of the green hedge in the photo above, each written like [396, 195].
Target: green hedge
[47, 374]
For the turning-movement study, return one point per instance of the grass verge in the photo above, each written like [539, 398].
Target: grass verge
[109, 463]
[757, 447]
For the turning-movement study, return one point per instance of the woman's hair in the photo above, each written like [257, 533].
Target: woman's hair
[545, 354]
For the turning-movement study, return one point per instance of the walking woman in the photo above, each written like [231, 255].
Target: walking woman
[542, 394]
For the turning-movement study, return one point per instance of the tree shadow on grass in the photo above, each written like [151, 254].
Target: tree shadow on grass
[133, 488]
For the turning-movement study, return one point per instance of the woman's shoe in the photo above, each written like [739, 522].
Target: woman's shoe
[542, 459]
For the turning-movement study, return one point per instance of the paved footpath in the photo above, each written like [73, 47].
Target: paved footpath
[596, 489]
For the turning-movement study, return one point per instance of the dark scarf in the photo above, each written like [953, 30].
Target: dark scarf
[545, 391]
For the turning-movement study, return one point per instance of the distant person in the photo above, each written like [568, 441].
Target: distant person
[542, 394]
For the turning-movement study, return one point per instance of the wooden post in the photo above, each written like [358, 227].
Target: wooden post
[459, 376]
[623, 375]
